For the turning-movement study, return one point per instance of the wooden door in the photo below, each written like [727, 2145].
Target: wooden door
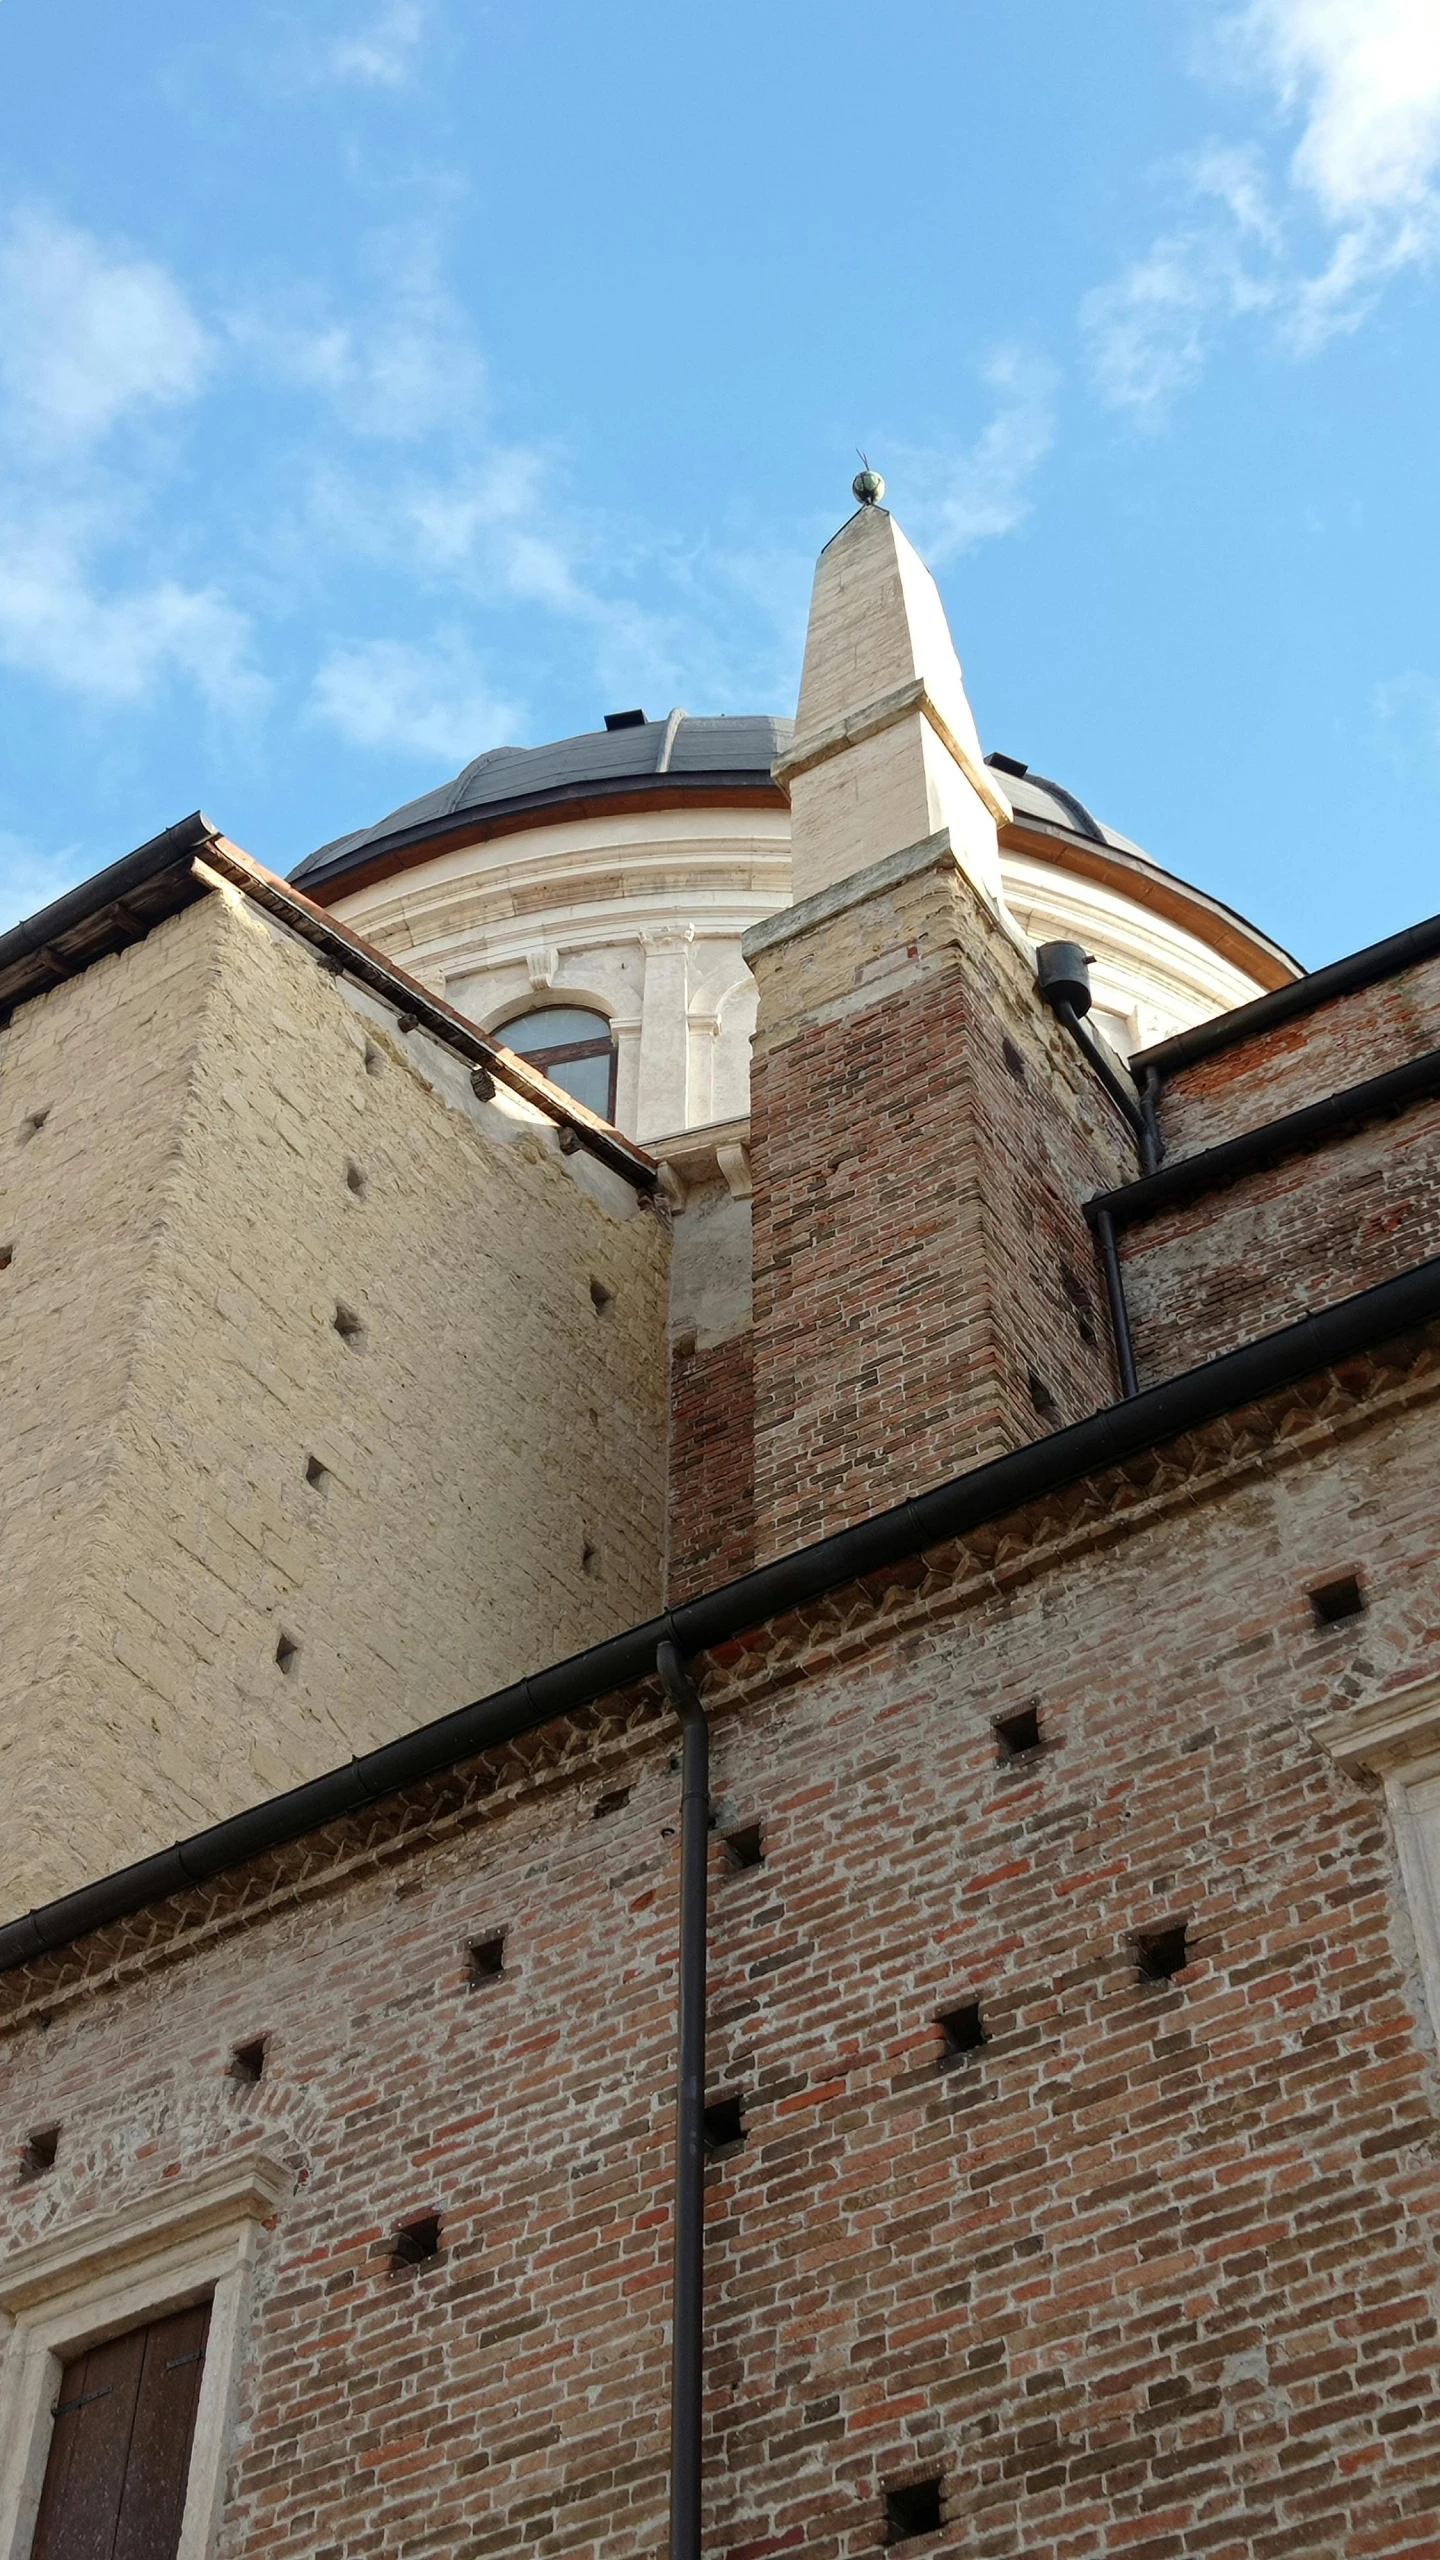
[120, 2453]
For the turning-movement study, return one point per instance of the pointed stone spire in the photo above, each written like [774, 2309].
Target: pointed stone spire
[885, 751]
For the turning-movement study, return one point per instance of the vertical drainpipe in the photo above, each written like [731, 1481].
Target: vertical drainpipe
[687, 2316]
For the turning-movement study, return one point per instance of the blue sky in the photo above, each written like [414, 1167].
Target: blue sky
[381, 380]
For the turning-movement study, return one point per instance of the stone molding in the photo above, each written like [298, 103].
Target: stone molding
[886, 712]
[185, 2243]
[1386, 1734]
[930, 854]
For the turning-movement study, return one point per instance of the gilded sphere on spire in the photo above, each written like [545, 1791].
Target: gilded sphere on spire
[868, 487]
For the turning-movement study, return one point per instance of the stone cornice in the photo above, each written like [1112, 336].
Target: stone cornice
[884, 713]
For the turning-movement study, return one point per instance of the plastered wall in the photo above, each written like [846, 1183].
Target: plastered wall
[203, 1470]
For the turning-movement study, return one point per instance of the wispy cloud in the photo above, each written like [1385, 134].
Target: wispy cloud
[1305, 225]
[434, 700]
[381, 51]
[956, 497]
[88, 335]
[93, 342]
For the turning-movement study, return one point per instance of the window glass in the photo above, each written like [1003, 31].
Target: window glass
[573, 1047]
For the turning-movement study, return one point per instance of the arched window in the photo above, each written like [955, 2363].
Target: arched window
[574, 1049]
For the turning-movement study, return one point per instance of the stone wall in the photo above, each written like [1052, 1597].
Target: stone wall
[239, 1544]
[1149, 2270]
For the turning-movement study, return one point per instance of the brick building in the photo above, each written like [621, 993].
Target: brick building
[1048, 1533]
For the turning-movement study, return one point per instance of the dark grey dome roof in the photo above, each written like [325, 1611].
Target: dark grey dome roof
[676, 753]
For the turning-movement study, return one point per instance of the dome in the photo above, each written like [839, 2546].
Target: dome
[614, 875]
[630, 755]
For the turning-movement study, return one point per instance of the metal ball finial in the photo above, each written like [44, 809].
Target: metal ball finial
[867, 485]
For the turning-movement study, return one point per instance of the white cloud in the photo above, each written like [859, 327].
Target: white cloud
[88, 333]
[92, 337]
[1407, 720]
[115, 648]
[1305, 227]
[381, 53]
[433, 701]
[956, 498]
[30, 878]
[407, 370]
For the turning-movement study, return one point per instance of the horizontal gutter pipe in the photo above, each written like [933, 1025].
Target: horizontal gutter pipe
[1344, 977]
[109, 888]
[1190, 1177]
[687, 2330]
[1109, 1438]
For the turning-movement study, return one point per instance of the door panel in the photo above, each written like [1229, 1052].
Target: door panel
[120, 2451]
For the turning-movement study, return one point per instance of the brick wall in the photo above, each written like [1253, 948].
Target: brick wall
[922, 1136]
[1299, 1062]
[712, 1465]
[1202, 1279]
[1150, 2273]
[491, 1444]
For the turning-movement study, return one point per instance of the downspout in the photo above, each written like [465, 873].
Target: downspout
[1063, 976]
[1104, 1225]
[687, 2319]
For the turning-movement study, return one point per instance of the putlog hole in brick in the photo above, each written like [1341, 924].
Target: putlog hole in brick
[1162, 1953]
[913, 2510]
[38, 2153]
[1332, 1601]
[416, 2241]
[485, 1959]
[963, 2030]
[745, 1846]
[725, 2127]
[1018, 1735]
[247, 2062]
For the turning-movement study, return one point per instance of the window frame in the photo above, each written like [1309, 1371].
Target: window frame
[114, 2272]
[1397, 1740]
[562, 1052]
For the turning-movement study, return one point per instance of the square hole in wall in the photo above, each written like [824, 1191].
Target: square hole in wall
[287, 1654]
[1162, 1953]
[349, 1325]
[913, 2510]
[1014, 1062]
[725, 2127]
[374, 1062]
[416, 2241]
[745, 1847]
[485, 1959]
[1041, 1397]
[7, 1256]
[247, 2062]
[355, 1178]
[31, 1126]
[38, 2151]
[601, 1298]
[963, 2031]
[1017, 1736]
[614, 1802]
[1332, 1601]
[316, 1474]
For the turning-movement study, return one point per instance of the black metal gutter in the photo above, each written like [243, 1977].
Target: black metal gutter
[39, 938]
[1285, 1004]
[1189, 1177]
[687, 2331]
[1104, 1226]
[1106, 1439]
